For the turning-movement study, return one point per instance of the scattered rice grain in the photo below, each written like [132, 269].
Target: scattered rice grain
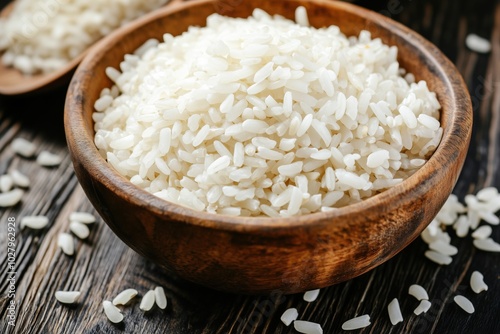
[289, 316]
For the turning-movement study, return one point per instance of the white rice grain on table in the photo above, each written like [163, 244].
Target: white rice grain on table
[11, 198]
[307, 327]
[160, 298]
[19, 179]
[464, 303]
[423, 307]
[439, 258]
[6, 183]
[124, 297]
[48, 159]
[112, 312]
[259, 118]
[148, 300]
[477, 282]
[443, 247]
[67, 297]
[394, 312]
[482, 232]
[418, 292]
[23, 147]
[34, 222]
[66, 243]
[487, 245]
[310, 296]
[79, 229]
[357, 323]
[289, 316]
[82, 217]
[477, 43]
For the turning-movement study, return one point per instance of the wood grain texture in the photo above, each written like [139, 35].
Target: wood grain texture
[260, 255]
[104, 266]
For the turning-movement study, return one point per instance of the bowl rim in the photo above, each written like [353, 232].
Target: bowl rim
[82, 145]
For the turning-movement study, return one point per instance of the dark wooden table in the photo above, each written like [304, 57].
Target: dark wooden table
[103, 266]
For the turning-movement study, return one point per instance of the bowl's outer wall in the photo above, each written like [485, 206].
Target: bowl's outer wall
[264, 255]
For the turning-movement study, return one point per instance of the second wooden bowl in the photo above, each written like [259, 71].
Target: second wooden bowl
[259, 255]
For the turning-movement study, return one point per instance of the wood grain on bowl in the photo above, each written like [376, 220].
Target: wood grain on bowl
[257, 255]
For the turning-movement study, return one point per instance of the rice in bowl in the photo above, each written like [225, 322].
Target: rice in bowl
[264, 116]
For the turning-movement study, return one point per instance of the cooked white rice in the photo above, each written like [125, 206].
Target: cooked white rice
[42, 36]
[257, 116]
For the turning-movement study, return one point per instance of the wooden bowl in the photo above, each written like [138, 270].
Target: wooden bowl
[260, 255]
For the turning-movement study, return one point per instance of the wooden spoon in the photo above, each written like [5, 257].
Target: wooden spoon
[14, 82]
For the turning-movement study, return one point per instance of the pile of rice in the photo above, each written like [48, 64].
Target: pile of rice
[44, 35]
[264, 116]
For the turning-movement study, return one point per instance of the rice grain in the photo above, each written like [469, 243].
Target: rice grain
[160, 298]
[148, 300]
[67, 297]
[112, 312]
[357, 323]
[66, 243]
[307, 327]
[464, 303]
[6, 183]
[423, 307]
[19, 179]
[11, 198]
[48, 159]
[477, 282]
[82, 217]
[23, 147]
[394, 312]
[418, 292]
[79, 229]
[34, 222]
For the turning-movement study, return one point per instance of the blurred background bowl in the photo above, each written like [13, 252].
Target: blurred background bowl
[260, 255]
